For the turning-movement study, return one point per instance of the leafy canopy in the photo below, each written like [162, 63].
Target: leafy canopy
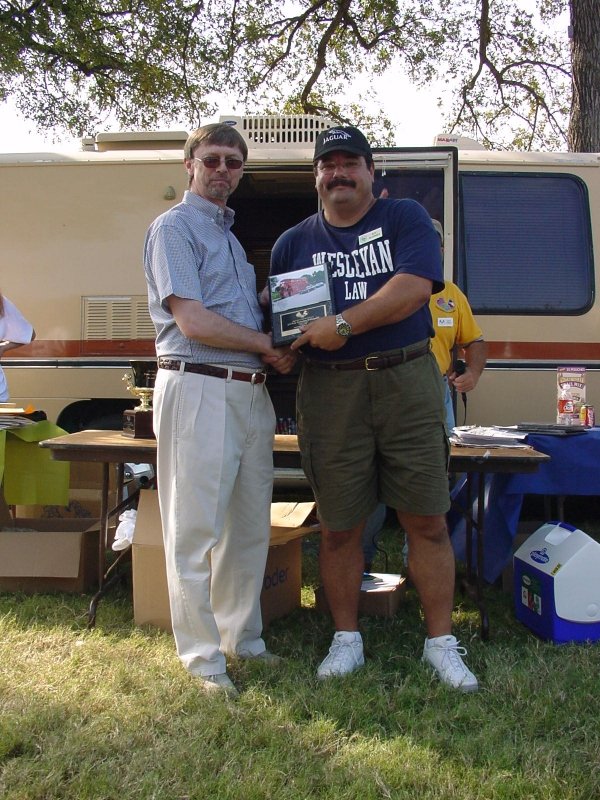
[70, 64]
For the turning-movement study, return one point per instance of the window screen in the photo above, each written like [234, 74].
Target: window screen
[525, 244]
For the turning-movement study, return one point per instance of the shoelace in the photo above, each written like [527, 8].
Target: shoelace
[336, 652]
[453, 653]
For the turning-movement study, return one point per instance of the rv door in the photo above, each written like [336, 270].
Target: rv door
[429, 176]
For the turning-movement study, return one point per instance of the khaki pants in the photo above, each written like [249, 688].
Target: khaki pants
[215, 481]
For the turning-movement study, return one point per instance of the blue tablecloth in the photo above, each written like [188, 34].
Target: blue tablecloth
[573, 470]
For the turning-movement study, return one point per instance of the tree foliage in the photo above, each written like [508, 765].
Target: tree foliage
[70, 63]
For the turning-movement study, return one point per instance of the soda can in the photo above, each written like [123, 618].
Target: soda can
[587, 416]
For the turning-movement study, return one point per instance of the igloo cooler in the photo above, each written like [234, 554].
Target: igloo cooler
[557, 584]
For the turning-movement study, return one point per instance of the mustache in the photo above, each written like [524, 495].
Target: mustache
[341, 182]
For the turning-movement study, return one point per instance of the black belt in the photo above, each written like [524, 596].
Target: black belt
[374, 362]
[214, 372]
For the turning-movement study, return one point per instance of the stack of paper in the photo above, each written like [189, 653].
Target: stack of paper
[379, 582]
[11, 416]
[14, 421]
[478, 436]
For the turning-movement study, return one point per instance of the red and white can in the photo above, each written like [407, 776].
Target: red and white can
[587, 416]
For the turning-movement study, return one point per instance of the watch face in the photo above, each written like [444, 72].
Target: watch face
[343, 328]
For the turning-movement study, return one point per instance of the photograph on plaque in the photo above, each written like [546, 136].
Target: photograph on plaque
[297, 298]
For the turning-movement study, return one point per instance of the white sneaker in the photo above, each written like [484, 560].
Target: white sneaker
[345, 655]
[444, 655]
[218, 683]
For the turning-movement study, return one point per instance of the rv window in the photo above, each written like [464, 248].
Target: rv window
[525, 244]
[424, 186]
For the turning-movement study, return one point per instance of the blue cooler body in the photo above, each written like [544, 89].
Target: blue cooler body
[557, 584]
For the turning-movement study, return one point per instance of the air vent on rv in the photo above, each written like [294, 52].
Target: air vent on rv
[275, 130]
[121, 317]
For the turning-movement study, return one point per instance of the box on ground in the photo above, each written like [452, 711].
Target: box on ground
[282, 580]
[556, 587]
[150, 593]
[282, 583]
[49, 555]
[380, 595]
[89, 475]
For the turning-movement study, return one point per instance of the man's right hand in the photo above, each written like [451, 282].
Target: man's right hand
[282, 359]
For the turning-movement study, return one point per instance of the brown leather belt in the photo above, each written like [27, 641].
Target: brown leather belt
[214, 372]
[374, 362]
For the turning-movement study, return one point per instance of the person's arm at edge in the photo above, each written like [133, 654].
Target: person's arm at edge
[475, 354]
[6, 345]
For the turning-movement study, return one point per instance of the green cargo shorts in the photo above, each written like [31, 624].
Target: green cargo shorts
[374, 436]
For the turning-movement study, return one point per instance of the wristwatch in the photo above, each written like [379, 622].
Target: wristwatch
[342, 328]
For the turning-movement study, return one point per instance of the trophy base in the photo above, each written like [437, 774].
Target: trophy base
[138, 424]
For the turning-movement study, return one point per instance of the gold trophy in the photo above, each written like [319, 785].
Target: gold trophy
[137, 422]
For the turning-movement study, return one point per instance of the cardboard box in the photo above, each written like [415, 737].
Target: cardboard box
[282, 580]
[88, 475]
[282, 583]
[49, 555]
[380, 595]
[150, 593]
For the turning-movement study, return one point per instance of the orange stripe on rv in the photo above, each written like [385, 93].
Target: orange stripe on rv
[499, 351]
[48, 348]
[538, 351]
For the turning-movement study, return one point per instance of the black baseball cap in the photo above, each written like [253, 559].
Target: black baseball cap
[346, 138]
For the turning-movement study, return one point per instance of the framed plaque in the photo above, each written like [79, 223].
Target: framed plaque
[297, 298]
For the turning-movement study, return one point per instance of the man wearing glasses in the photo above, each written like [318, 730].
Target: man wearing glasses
[213, 418]
[370, 395]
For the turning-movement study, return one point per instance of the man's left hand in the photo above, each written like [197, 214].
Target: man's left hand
[321, 333]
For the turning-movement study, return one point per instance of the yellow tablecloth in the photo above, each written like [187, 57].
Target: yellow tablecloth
[31, 476]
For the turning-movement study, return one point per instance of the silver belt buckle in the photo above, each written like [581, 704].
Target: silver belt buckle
[367, 367]
[254, 378]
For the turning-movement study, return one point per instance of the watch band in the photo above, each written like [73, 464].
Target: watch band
[342, 326]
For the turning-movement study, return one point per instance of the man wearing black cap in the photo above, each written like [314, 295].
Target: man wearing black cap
[370, 395]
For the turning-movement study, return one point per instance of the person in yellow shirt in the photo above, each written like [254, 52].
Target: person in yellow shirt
[457, 336]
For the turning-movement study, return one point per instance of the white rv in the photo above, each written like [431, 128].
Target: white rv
[519, 228]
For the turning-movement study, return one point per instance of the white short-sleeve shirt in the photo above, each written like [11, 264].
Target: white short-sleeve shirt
[13, 328]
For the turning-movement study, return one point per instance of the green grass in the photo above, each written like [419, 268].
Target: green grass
[110, 713]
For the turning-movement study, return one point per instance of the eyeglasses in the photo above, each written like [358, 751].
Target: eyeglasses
[212, 162]
[348, 164]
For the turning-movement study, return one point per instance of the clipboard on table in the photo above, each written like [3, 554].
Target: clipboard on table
[551, 428]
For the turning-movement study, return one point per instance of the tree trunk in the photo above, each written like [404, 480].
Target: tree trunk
[584, 126]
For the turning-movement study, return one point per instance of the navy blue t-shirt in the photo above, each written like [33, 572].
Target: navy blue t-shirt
[394, 237]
